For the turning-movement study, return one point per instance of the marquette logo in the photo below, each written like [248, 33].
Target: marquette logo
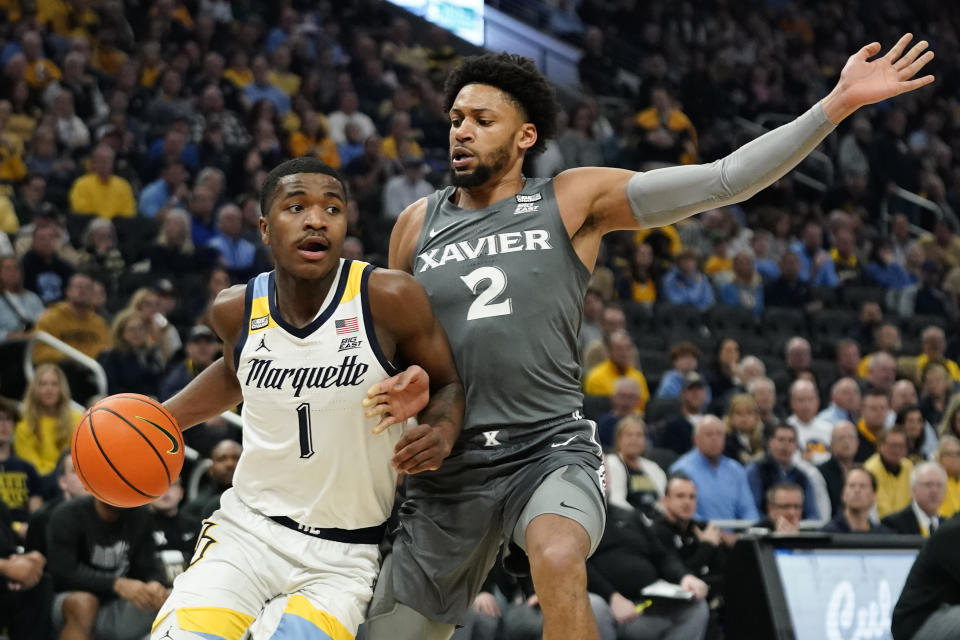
[265, 374]
[174, 443]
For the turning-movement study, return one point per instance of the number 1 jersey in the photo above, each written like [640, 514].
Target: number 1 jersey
[308, 450]
[508, 287]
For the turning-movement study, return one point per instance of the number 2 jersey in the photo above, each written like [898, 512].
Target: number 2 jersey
[508, 287]
[308, 450]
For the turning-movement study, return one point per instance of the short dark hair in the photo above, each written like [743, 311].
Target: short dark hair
[519, 78]
[860, 467]
[782, 486]
[678, 475]
[9, 408]
[297, 165]
[896, 429]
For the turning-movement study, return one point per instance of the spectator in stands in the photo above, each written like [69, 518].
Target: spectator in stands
[887, 340]
[667, 135]
[74, 322]
[31, 196]
[722, 488]
[168, 105]
[597, 71]
[101, 192]
[677, 434]
[892, 469]
[348, 114]
[699, 544]
[71, 132]
[623, 401]
[847, 357]
[24, 592]
[20, 486]
[789, 290]
[948, 455]
[400, 143]
[175, 254]
[620, 363]
[132, 365]
[99, 254]
[935, 386]
[104, 570]
[590, 330]
[224, 456]
[685, 357]
[785, 503]
[685, 284]
[928, 488]
[915, 427]
[580, 146]
[48, 420]
[813, 434]
[777, 466]
[169, 190]
[844, 402]
[942, 245]
[881, 372]
[633, 482]
[87, 98]
[744, 440]
[746, 288]
[884, 270]
[173, 534]
[871, 315]
[723, 372]
[933, 341]
[859, 494]
[19, 308]
[846, 263]
[873, 418]
[404, 188]
[44, 272]
[764, 393]
[816, 265]
[67, 487]
[797, 356]
[630, 557]
[638, 281]
[843, 448]
[927, 297]
[236, 254]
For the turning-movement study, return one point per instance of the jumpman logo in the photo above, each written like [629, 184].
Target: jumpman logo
[166, 635]
[263, 344]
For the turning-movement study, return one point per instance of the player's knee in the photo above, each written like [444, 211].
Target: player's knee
[558, 557]
[80, 609]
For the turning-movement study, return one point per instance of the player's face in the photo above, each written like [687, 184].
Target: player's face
[306, 224]
[487, 135]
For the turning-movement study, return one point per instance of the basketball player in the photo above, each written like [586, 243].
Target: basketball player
[314, 484]
[506, 261]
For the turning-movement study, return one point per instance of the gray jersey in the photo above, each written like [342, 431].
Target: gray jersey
[508, 289]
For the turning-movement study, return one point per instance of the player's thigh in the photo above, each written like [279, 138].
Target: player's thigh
[120, 620]
[329, 592]
[571, 492]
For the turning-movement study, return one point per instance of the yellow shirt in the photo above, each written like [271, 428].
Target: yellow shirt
[287, 82]
[716, 264]
[301, 145]
[603, 377]
[951, 504]
[41, 73]
[43, 453]
[649, 119]
[644, 291]
[923, 360]
[389, 148]
[239, 77]
[88, 334]
[8, 216]
[893, 491]
[91, 196]
[670, 231]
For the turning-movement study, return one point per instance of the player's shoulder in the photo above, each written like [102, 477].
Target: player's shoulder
[411, 219]
[392, 286]
[226, 312]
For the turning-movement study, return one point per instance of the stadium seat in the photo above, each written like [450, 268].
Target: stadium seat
[853, 296]
[780, 321]
[659, 409]
[723, 319]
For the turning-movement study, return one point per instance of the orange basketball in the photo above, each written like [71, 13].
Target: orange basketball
[127, 450]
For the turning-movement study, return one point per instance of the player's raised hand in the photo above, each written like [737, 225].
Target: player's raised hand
[864, 81]
[421, 448]
[397, 398]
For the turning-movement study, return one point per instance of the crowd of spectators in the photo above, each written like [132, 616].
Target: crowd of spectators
[808, 379]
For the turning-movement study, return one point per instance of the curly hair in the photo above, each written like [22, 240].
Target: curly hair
[517, 77]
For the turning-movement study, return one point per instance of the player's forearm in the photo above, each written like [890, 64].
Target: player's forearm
[211, 393]
[666, 196]
[445, 411]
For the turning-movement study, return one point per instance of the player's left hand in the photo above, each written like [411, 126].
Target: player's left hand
[421, 448]
[398, 398]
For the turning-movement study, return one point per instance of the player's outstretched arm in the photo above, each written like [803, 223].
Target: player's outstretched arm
[597, 200]
[216, 389]
[400, 307]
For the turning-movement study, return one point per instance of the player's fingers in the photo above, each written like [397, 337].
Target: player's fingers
[425, 461]
[378, 398]
[375, 389]
[897, 50]
[377, 410]
[911, 55]
[402, 455]
[910, 85]
[384, 424]
[917, 64]
[867, 51]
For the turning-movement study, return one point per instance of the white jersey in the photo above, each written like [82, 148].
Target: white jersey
[308, 450]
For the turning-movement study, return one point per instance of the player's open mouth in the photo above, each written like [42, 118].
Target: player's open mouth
[313, 248]
[460, 158]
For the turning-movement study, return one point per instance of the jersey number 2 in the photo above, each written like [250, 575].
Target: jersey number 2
[483, 306]
[306, 433]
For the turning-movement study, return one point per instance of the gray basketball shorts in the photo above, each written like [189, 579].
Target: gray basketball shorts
[454, 520]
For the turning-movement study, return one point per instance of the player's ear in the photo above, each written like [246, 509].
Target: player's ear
[264, 230]
[527, 135]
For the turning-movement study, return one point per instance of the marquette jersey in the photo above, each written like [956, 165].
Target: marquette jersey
[508, 287]
[308, 450]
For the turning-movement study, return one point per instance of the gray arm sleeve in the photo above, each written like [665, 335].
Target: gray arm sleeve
[664, 196]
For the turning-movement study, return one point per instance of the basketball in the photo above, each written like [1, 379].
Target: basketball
[127, 450]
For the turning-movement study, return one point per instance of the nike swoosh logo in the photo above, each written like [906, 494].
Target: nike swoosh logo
[570, 506]
[564, 443]
[435, 232]
[174, 444]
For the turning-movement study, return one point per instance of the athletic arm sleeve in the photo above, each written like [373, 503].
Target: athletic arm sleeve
[664, 196]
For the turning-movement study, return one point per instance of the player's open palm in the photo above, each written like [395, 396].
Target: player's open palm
[397, 398]
[864, 81]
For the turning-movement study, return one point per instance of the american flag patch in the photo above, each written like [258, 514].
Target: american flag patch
[347, 325]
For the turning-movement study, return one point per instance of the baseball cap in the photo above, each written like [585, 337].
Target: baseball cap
[163, 287]
[692, 379]
[201, 332]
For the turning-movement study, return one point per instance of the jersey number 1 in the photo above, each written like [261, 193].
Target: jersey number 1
[306, 433]
[483, 306]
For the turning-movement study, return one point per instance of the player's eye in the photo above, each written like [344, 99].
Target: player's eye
[454, 122]
[296, 207]
[483, 123]
[333, 209]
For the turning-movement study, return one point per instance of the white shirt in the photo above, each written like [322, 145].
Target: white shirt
[813, 437]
